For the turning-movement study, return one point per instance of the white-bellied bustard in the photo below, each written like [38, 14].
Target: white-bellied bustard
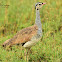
[28, 36]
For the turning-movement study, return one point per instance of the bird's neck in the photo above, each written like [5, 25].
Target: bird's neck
[38, 22]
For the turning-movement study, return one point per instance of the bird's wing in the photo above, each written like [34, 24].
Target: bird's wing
[24, 35]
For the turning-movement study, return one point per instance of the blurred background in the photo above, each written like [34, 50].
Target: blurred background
[18, 14]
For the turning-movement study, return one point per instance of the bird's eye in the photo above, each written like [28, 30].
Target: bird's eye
[42, 3]
[39, 4]
[36, 5]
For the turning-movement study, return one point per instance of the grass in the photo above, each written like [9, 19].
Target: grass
[21, 13]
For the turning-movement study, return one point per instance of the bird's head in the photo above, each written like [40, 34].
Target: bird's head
[39, 5]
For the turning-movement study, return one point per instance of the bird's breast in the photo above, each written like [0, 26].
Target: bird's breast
[33, 41]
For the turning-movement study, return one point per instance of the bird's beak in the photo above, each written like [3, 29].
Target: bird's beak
[43, 3]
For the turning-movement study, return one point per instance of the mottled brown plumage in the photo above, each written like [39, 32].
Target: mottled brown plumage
[22, 36]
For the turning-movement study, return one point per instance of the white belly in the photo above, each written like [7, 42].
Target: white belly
[31, 43]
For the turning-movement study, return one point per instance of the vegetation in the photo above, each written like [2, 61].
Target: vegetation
[21, 14]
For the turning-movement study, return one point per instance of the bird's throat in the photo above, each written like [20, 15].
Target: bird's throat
[38, 22]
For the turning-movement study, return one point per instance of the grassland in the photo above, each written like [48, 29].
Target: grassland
[21, 14]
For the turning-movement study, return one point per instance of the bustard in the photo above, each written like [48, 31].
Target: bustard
[28, 36]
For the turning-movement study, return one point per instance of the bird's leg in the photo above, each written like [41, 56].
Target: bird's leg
[25, 54]
[28, 54]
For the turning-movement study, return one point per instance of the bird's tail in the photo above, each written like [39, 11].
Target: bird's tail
[9, 42]
[6, 43]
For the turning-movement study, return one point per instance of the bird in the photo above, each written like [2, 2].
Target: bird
[29, 36]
